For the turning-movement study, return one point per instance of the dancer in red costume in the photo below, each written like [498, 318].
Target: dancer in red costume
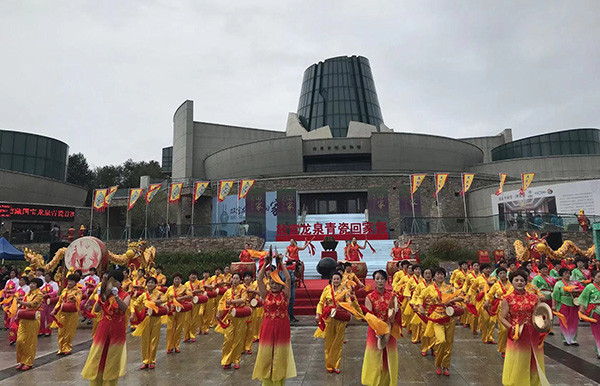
[354, 253]
[245, 256]
[107, 358]
[275, 360]
[292, 250]
[396, 253]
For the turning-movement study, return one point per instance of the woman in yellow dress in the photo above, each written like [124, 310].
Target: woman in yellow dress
[253, 293]
[494, 304]
[233, 328]
[149, 327]
[208, 314]
[418, 322]
[524, 361]
[380, 365]
[27, 333]
[177, 296]
[67, 321]
[331, 329]
[107, 359]
[410, 286]
[195, 320]
[440, 327]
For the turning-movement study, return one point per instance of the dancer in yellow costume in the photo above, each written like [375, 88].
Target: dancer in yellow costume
[477, 293]
[471, 319]
[352, 283]
[409, 288]
[221, 286]
[27, 333]
[233, 328]
[401, 272]
[195, 320]
[433, 301]
[399, 290]
[177, 294]
[418, 322]
[251, 288]
[458, 278]
[333, 330]
[497, 292]
[210, 307]
[67, 321]
[149, 328]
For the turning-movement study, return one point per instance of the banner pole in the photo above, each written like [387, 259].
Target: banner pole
[237, 205]
[167, 226]
[465, 204]
[437, 203]
[146, 223]
[193, 206]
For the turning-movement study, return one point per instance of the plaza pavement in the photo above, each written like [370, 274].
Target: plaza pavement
[199, 363]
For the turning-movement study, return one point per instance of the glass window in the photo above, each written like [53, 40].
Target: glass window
[19, 144]
[526, 151]
[5, 161]
[575, 148]
[31, 145]
[517, 152]
[555, 146]
[41, 148]
[555, 137]
[18, 163]
[6, 142]
[546, 148]
[29, 165]
[564, 136]
[565, 148]
[535, 139]
[574, 135]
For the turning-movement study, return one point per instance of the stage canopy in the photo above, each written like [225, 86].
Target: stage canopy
[8, 252]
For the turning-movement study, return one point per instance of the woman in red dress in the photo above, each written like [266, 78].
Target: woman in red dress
[107, 358]
[524, 361]
[275, 360]
[292, 250]
[354, 253]
[396, 253]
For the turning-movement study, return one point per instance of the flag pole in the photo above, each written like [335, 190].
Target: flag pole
[92, 214]
[191, 230]
[127, 227]
[237, 207]
[167, 226]
[464, 194]
[146, 222]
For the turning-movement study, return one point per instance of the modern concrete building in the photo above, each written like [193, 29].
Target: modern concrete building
[338, 157]
[34, 193]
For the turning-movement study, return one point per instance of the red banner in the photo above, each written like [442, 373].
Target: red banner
[484, 256]
[498, 254]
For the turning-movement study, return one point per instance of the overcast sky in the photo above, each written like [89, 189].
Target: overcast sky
[107, 76]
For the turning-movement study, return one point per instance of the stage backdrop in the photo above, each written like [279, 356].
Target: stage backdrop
[256, 208]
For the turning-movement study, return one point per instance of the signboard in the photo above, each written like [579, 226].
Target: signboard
[36, 212]
[340, 231]
[498, 254]
[558, 204]
[484, 256]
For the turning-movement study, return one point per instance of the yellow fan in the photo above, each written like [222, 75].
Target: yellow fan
[379, 326]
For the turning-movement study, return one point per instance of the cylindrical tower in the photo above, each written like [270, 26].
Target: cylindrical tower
[337, 91]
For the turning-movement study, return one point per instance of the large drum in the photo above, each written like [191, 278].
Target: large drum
[241, 267]
[360, 269]
[241, 312]
[391, 268]
[85, 253]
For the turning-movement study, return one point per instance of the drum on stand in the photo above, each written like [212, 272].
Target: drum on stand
[360, 269]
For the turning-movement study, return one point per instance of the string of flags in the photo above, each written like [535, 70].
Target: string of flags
[103, 197]
[417, 179]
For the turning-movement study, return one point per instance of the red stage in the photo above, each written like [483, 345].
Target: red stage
[312, 292]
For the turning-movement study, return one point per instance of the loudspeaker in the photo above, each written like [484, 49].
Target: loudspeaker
[554, 240]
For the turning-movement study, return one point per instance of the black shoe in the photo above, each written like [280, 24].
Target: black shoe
[566, 344]
[293, 319]
[575, 344]
[551, 333]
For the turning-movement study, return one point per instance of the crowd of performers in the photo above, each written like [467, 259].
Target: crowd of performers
[253, 307]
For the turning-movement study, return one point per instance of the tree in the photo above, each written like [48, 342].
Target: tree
[79, 172]
[107, 176]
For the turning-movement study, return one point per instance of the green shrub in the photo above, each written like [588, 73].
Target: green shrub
[185, 262]
[449, 250]
[430, 262]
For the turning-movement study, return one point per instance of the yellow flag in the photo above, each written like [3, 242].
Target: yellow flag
[134, 195]
[502, 181]
[152, 190]
[199, 188]
[415, 181]
[99, 199]
[467, 180]
[440, 181]
[224, 189]
[111, 192]
[526, 179]
[175, 191]
[245, 186]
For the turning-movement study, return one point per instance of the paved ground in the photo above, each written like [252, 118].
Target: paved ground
[472, 362]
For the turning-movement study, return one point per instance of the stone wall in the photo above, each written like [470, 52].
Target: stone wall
[491, 241]
[173, 245]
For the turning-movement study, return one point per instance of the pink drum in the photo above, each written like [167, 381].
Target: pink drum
[360, 269]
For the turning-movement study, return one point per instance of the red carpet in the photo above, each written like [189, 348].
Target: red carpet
[308, 298]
